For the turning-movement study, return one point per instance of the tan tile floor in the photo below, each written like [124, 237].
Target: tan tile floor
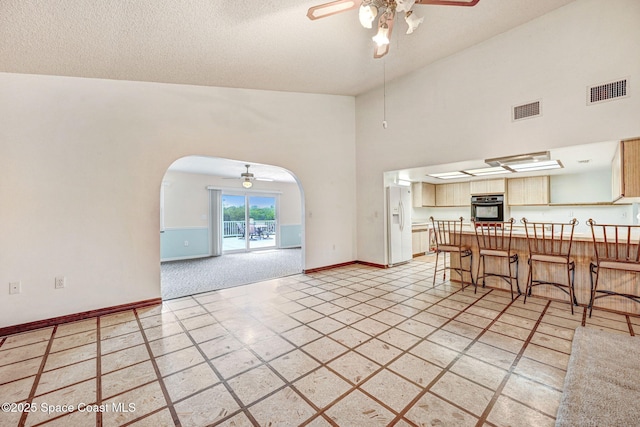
[351, 346]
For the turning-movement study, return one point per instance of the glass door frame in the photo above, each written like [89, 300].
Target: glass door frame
[247, 196]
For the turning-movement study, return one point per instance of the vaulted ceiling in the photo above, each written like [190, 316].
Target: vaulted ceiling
[251, 44]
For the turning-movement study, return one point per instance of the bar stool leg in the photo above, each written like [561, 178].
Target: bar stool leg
[460, 269]
[478, 271]
[518, 276]
[435, 270]
[570, 283]
[510, 276]
[594, 286]
[529, 281]
[474, 283]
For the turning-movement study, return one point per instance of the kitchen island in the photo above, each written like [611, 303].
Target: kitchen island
[582, 253]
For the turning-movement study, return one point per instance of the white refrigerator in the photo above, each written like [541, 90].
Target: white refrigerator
[399, 224]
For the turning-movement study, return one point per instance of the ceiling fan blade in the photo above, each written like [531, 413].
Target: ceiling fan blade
[449, 2]
[380, 51]
[332, 8]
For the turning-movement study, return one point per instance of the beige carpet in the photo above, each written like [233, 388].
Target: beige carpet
[602, 386]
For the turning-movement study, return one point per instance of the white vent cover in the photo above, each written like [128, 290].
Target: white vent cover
[607, 91]
[526, 111]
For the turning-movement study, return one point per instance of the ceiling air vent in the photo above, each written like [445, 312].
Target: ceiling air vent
[607, 91]
[526, 111]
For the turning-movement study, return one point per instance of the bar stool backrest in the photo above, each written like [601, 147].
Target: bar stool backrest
[494, 235]
[620, 243]
[447, 232]
[550, 238]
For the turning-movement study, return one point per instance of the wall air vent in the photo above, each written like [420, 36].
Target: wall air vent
[607, 91]
[526, 111]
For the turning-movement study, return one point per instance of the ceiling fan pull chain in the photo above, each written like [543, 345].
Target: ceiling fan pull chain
[384, 94]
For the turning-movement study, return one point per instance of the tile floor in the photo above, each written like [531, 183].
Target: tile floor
[351, 346]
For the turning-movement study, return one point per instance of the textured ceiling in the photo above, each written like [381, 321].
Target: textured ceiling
[252, 44]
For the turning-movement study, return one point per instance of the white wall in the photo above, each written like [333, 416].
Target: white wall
[82, 162]
[187, 199]
[459, 108]
[618, 214]
[588, 187]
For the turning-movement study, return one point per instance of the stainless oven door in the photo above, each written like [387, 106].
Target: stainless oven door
[487, 211]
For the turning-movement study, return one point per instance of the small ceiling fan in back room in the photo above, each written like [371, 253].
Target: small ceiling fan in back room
[385, 11]
[248, 177]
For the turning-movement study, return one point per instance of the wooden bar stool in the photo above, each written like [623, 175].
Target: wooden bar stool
[616, 247]
[448, 235]
[550, 244]
[494, 241]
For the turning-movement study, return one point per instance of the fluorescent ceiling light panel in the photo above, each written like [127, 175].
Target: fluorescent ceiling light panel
[448, 175]
[537, 166]
[487, 171]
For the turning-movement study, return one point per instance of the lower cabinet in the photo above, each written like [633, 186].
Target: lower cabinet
[422, 241]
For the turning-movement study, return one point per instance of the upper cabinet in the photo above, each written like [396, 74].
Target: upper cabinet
[453, 194]
[488, 186]
[532, 190]
[424, 194]
[440, 195]
[625, 170]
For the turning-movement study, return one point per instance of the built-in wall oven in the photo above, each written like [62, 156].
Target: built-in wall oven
[487, 208]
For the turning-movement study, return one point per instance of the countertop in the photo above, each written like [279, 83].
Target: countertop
[421, 225]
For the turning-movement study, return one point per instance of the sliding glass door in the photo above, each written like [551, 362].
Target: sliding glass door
[249, 222]
[262, 222]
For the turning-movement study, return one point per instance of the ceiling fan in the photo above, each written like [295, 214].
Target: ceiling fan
[385, 10]
[248, 177]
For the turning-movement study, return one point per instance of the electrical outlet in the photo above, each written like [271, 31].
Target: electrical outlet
[186, 243]
[60, 282]
[14, 288]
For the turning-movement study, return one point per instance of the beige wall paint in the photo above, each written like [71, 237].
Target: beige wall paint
[83, 160]
[187, 199]
[459, 108]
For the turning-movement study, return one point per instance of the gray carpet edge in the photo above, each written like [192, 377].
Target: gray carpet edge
[601, 387]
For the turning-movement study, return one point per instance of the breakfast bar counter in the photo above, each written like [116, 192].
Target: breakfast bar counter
[582, 252]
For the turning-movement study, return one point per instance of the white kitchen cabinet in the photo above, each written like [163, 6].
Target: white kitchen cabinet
[488, 186]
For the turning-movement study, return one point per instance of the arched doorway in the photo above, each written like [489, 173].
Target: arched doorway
[217, 233]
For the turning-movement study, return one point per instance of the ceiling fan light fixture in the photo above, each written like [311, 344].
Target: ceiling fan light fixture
[367, 14]
[382, 38]
[413, 21]
[247, 183]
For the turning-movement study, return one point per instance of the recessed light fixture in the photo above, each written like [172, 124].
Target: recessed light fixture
[487, 171]
[449, 175]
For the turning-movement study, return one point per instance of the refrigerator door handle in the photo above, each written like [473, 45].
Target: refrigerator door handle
[401, 216]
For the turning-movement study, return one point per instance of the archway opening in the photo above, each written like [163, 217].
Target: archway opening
[225, 223]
